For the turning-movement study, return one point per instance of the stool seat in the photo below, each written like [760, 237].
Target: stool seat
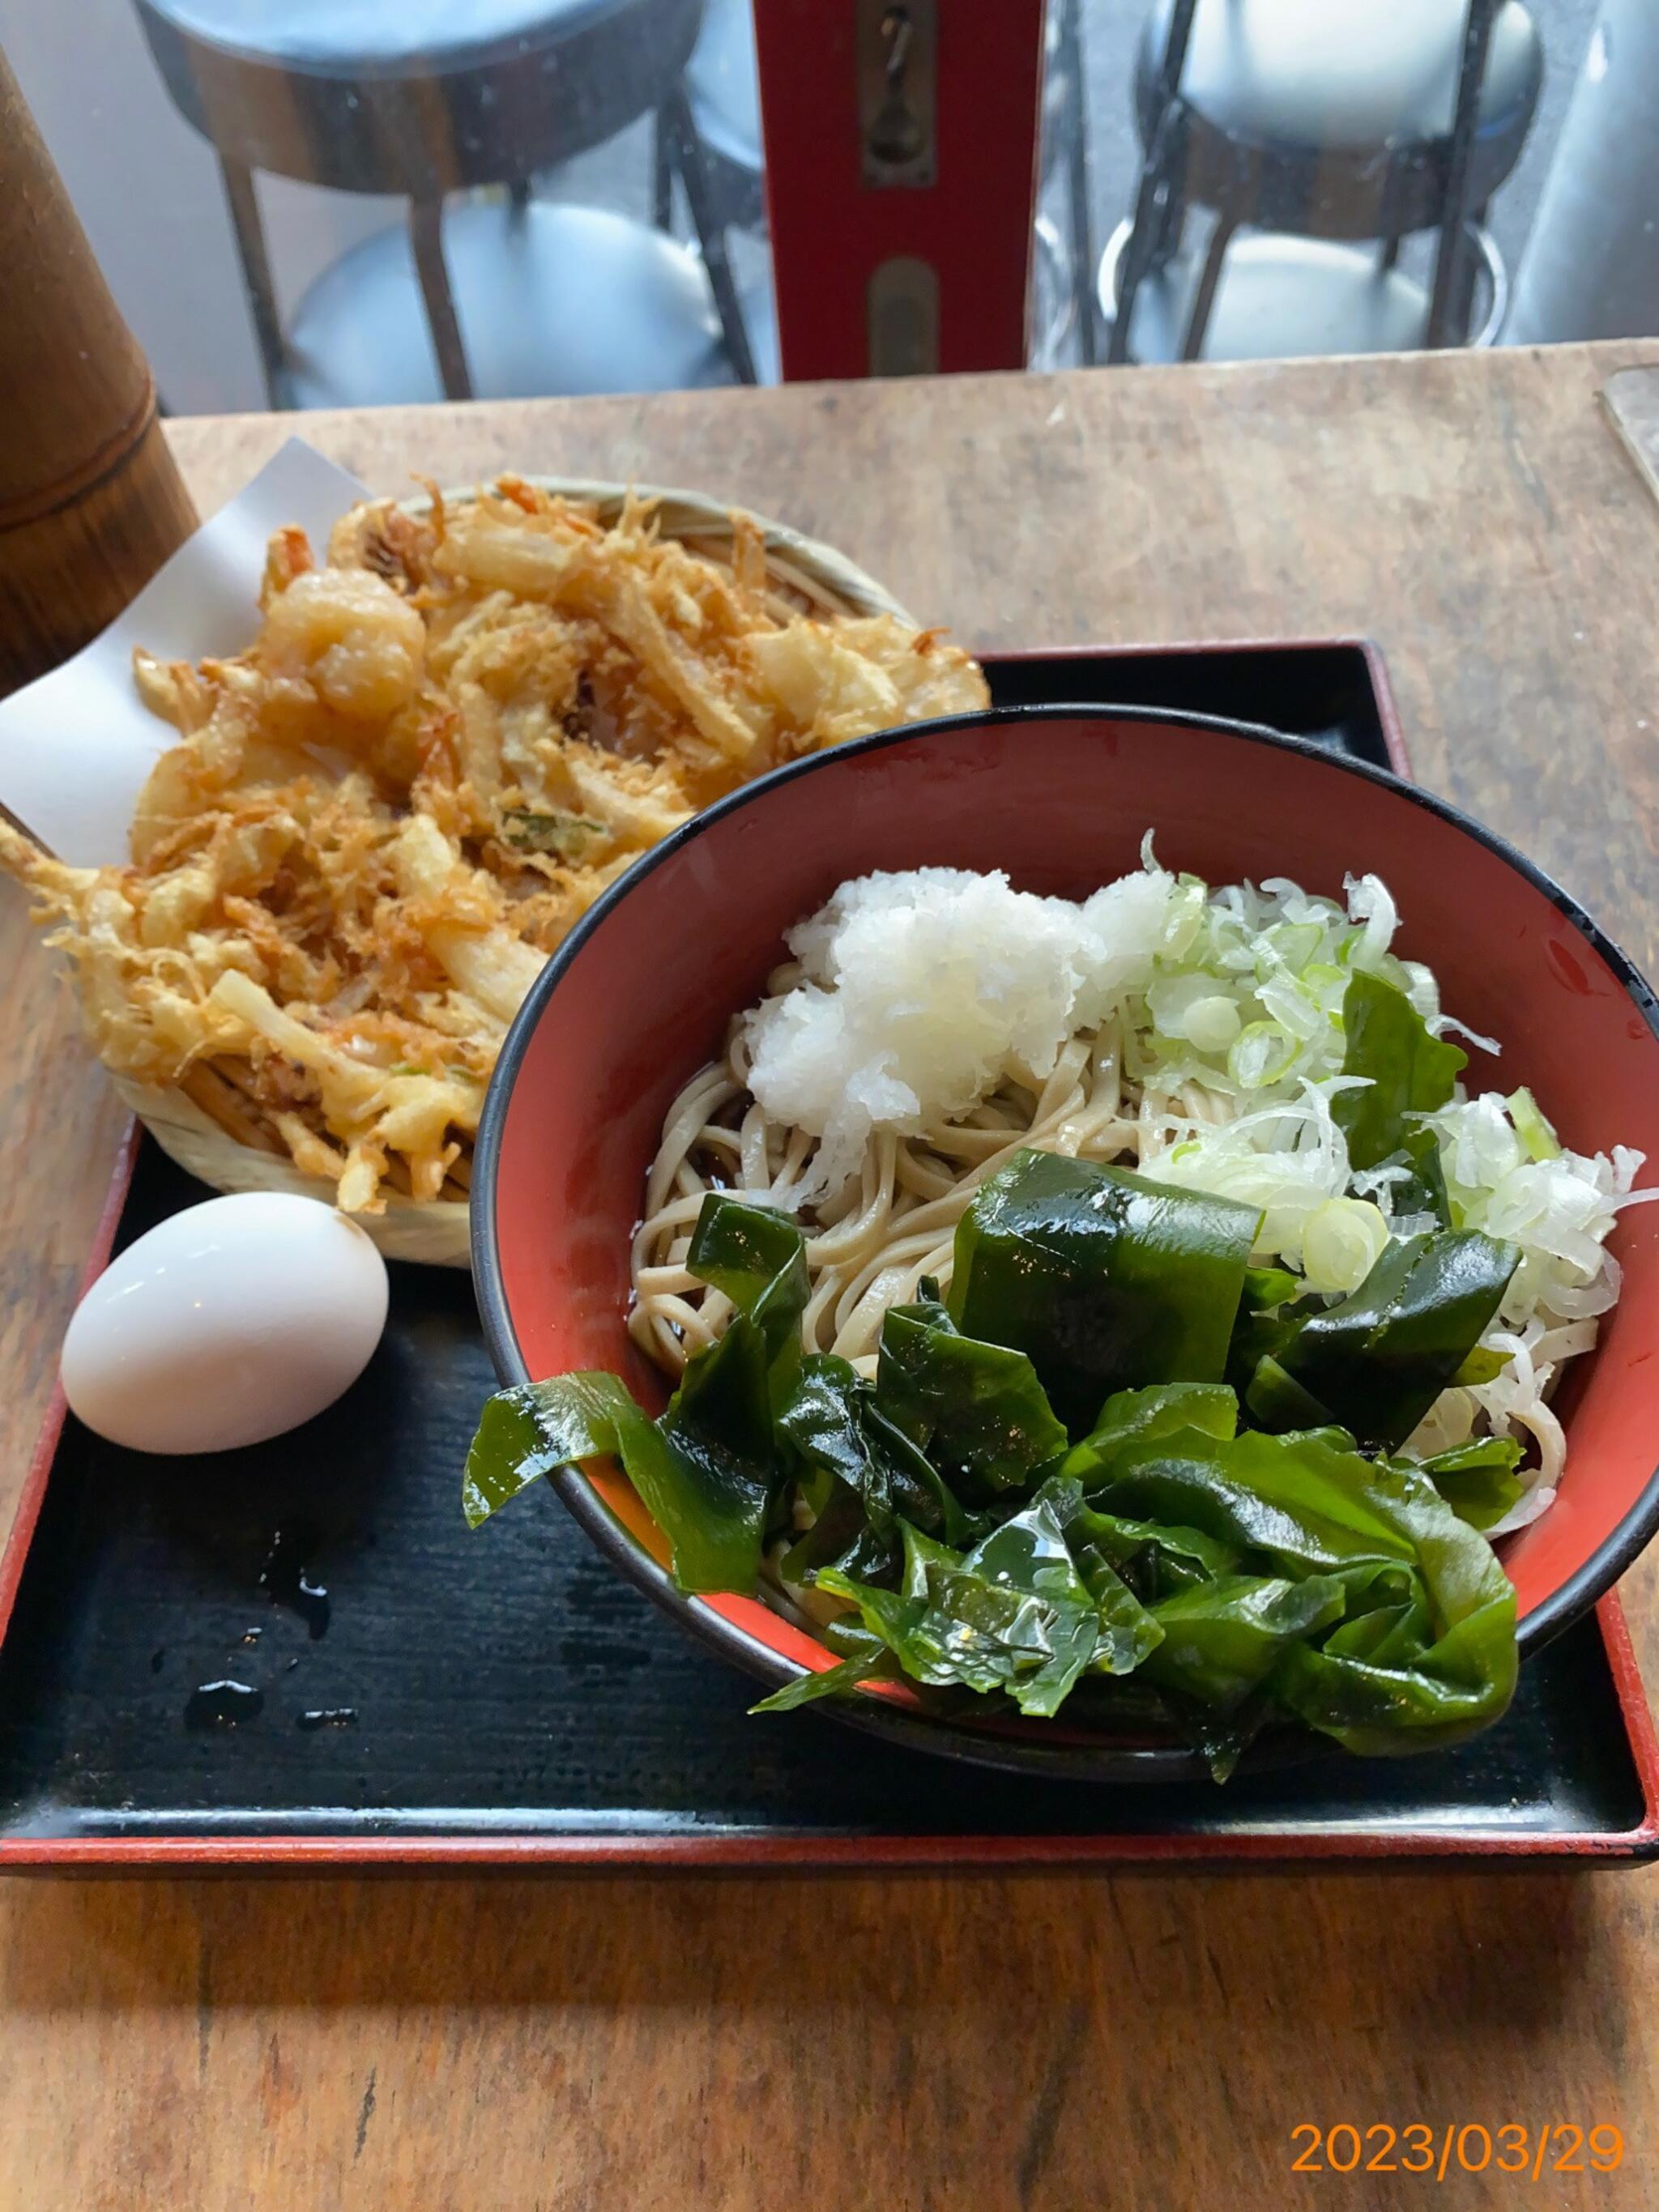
[359, 38]
[1277, 298]
[1343, 75]
[423, 97]
[549, 299]
[1332, 120]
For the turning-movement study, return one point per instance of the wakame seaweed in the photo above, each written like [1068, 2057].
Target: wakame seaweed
[1120, 1463]
[1406, 1070]
[1375, 1361]
[1406, 1073]
[1103, 1279]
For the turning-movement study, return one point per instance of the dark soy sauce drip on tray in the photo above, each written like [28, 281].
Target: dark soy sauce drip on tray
[328, 1716]
[290, 1581]
[223, 1704]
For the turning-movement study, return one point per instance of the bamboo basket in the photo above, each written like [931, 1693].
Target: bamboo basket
[814, 578]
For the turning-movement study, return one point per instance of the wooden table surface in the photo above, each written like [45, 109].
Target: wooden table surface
[1053, 2042]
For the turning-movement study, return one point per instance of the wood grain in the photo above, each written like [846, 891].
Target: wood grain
[931, 2044]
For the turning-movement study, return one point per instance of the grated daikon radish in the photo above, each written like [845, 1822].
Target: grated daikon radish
[921, 992]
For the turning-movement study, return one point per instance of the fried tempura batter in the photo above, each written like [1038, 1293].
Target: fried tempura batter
[441, 747]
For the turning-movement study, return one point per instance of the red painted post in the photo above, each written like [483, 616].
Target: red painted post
[901, 159]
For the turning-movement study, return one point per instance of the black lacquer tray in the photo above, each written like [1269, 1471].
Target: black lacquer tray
[297, 1656]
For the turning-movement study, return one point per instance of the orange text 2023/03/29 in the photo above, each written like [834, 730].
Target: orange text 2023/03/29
[1538, 2152]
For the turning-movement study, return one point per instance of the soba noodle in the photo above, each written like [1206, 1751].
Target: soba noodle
[868, 1249]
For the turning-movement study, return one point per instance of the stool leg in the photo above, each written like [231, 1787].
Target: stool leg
[1198, 321]
[676, 113]
[1462, 306]
[1162, 162]
[662, 173]
[1390, 215]
[1165, 159]
[1069, 59]
[1454, 212]
[1170, 215]
[255, 276]
[426, 219]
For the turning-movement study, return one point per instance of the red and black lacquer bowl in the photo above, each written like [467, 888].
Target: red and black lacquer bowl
[640, 994]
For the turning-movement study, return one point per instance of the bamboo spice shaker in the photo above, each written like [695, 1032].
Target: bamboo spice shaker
[91, 502]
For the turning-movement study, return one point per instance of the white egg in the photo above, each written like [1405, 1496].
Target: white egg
[226, 1324]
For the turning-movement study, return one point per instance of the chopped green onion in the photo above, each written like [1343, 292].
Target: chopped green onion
[1213, 1024]
[1260, 1054]
[1342, 1242]
[1531, 1125]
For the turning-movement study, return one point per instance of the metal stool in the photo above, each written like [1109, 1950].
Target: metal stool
[1328, 123]
[425, 99]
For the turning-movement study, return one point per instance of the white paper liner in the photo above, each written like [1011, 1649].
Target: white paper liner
[76, 745]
